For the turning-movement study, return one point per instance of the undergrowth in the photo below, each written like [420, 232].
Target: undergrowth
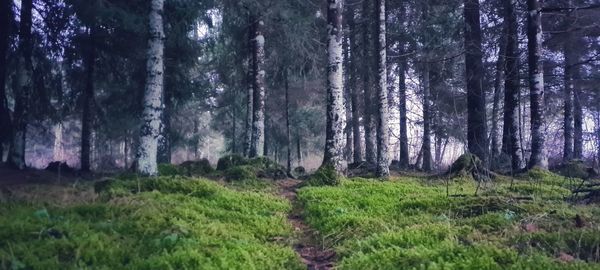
[424, 224]
[156, 223]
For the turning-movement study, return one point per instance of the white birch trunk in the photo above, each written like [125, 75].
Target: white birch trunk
[383, 169]
[153, 104]
[336, 115]
[258, 108]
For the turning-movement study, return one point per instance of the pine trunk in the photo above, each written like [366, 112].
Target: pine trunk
[153, 94]
[404, 158]
[287, 123]
[87, 101]
[476, 122]
[383, 139]
[536, 84]
[349, 151]
[569, 55]
[258, 88]
[498, 80]
[427, 157]
[577, 116]
[16, 156]
[336, 115]
[368, 119]
[5, 122]
[510, 135]
[353, 89]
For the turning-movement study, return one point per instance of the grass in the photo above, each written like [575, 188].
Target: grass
[411, 223]
[160, 223]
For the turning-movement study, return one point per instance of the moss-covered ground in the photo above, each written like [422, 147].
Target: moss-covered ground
[176, 222]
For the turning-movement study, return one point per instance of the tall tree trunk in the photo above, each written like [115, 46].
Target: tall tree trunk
[348, 100]
[299, 149]
[153, 94]
[368, 118]
[476, 123]
[16, 156]
[5, 121]
[87, 101]
[569, 55]
[287, 122]
[510, 135]
[577, 115]
[258, 87]
[336, 115]
[353, 89]
[233, 122]
[164, 139]
[499, 78]
[404, 158]
[427, 158]
[249, 91]
[536, 84]
[383, 139]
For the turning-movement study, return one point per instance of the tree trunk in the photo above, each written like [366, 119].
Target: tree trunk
[348, 100]
[258, 87]
[569, 55]
[249, 92]
[427, 158]
[164, 139]
[536, 84]
[353, 89]
[153, 103]
[5, 121]
[368, 118]
[404, 158]
[87, 101]
[287, 122]
[499, 77]
[16, 156]
[577, 116]
[510, 135]
[476, 123]
[383, 139]
[298, 150]
[336, 115]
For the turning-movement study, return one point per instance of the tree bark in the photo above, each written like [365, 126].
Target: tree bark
[499, 78]
[87, 101]
[510, 135]
[153, 94]
[287, 122]
[16, 156]
[427, 157]
[249, 92]
[353, 89]
[336, 115]
[368, 118]
[5, 121]
[404, 158]
[577, 115]
[383, 139]
[349, 151]
[536, 84]
[476, 123]
[164, 139]
[569, 55]
[258, 89]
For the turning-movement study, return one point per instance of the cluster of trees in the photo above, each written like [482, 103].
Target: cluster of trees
[351, 80]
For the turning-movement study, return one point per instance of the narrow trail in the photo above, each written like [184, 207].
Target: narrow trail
[308, 247]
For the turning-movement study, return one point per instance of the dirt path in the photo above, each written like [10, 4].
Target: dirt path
[308, 246]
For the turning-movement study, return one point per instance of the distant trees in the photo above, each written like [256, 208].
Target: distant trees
[153, 99]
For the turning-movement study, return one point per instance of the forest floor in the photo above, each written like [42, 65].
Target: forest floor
[409, 222]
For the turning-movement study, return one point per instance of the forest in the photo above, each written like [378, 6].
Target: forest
[300, 134]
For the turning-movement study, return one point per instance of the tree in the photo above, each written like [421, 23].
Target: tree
[368, 117]
[16, 156]
[153, 103]
[382, 98]
[569, 66]
[498, 80]
[354, 90]
[87, 100]
[536, 84]
[5, 25]
[334, 133]
[258, 88]
[476, 123]
[402, 67]
[249, 92]
[510, 134]
[427, 157]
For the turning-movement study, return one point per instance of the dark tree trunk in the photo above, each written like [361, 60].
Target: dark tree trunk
[16, 156]
[536, 84]
[249, 92]
[164, 140]
[404, 158]
[510, 135]
[427, 157]
[476, 123]
[498, 80]
[287, 122]
[368, 118]
[577, 117]
[336, 115]
[298, 150]
[87, 101]
[5, 121]
[258, 86]
[349, 149]
[353, 89]
[570, 59]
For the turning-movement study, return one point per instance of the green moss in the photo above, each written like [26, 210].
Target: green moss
[241, 173]
[229, 161]
[544, 176]
[196, 168]
[156, 223]
[324, 176]
[168, 169]
[575, 169]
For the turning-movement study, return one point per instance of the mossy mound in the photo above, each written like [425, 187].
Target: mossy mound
[299, 172]
[267, 168]
[241, 173]
[576, 169]
[324, 176]
[165, 169]
[469, 165]
[56, 166]
[229, 161]
[196, 168]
